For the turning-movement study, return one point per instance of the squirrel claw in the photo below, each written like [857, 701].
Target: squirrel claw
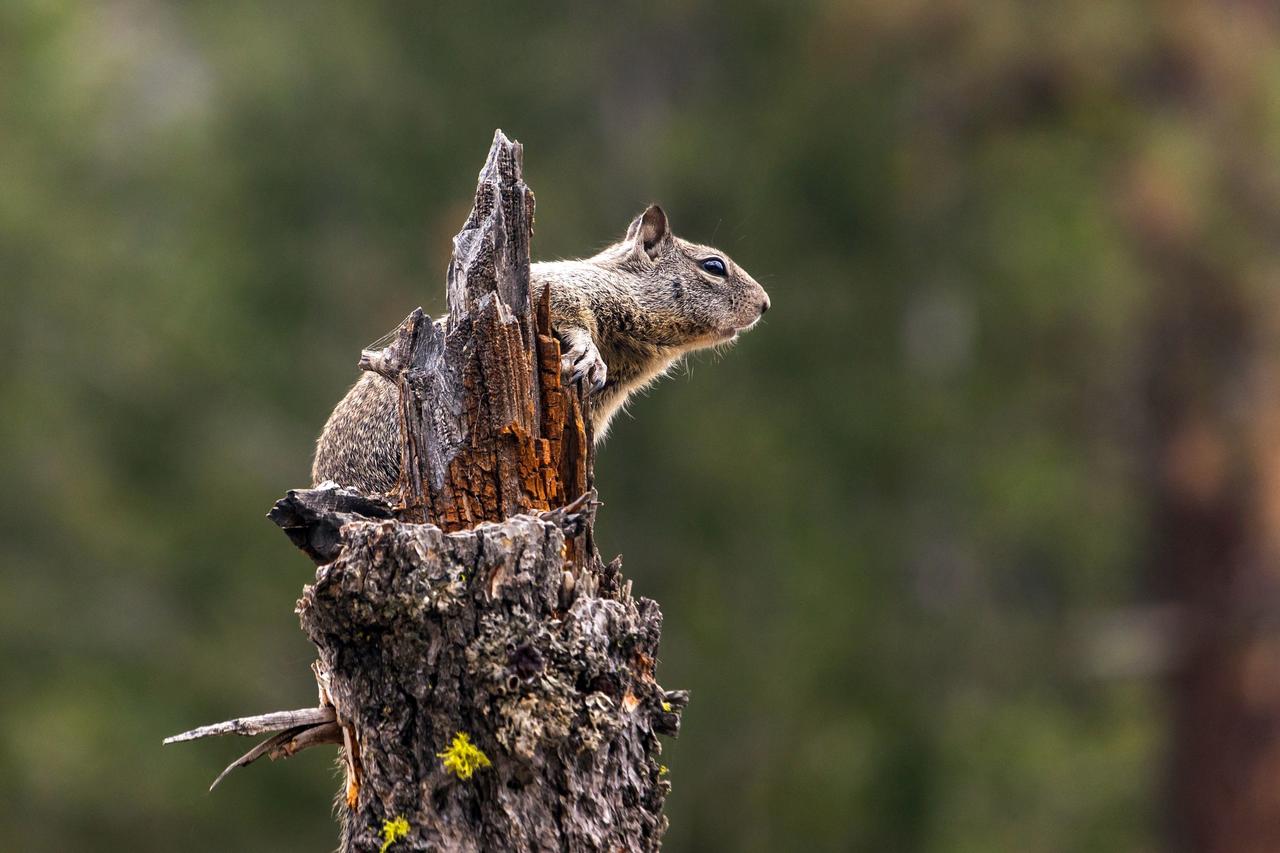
[583, 361]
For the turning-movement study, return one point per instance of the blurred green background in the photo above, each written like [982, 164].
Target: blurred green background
[875, 527]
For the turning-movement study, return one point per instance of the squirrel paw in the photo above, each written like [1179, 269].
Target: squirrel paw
[583, 361]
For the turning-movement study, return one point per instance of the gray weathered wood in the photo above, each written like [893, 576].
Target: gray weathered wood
[260, 724]
[425, 634]
[284, 744]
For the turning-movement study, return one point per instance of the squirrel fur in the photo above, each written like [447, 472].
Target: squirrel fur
[623, 316]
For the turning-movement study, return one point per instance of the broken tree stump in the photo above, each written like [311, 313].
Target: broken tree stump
[491, 680]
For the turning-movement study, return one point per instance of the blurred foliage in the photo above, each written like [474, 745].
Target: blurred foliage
[871, 526]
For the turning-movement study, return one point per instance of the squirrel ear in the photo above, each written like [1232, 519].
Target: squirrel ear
[650, 232]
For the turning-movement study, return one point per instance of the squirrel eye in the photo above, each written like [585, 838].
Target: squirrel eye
[715, 266]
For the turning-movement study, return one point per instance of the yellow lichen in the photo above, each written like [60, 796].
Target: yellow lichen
[662, 770]
[463, 757]
[393, 831]
[666, 706]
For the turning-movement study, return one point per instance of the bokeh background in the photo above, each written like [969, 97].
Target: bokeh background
[968, 547]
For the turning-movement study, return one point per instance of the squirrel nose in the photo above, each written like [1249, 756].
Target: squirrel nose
[764, 306]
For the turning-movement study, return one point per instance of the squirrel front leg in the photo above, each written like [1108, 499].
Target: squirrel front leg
[582, 359]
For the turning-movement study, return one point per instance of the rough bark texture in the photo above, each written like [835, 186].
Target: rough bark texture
[425, 634]
[511, 632]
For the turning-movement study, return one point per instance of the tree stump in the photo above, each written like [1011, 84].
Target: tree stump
[491, 680]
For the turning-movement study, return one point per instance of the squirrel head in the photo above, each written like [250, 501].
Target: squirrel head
[696, 295]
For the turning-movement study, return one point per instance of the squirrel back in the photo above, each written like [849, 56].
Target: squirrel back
[624, 317]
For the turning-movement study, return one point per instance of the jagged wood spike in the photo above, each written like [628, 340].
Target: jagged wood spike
[285, 744]
[259, 724]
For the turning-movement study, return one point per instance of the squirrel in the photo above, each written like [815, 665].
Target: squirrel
[624, 316]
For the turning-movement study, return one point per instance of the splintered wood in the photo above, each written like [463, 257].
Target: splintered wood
[488, 429]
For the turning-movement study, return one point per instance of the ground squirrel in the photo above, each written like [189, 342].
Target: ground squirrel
[624, 317]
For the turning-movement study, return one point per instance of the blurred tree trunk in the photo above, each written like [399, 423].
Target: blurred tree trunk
[1216, 493]
[494, 683]
[1213, 427]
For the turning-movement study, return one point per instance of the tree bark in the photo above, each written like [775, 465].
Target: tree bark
[425, 634]
[493, 680]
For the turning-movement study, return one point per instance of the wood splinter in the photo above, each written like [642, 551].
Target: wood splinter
[297, 730]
